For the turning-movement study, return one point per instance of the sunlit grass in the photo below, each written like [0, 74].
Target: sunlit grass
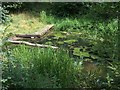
[24, 23]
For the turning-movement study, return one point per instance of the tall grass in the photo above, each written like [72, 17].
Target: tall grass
[29, 65]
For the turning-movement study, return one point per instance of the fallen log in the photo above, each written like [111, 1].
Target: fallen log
[32, 44]
[38, 34]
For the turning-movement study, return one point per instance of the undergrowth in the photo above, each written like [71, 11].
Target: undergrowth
[28, 67]
[37, 68]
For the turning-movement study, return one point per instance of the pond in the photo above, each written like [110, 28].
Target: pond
[79, 48]
[74, 42]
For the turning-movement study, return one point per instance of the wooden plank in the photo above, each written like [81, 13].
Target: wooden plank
[38, 34]
[27, 35]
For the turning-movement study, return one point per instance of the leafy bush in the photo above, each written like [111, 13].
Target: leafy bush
[67, 23]
[68, 9]
[105, 10]
[5, 9]
[4, 17]
[12, 5]
[49, 19]
[114, 75]
[107, 40]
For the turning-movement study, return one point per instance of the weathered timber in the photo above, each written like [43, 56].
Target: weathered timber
[32, 44]
[27, 35]
[38, 34]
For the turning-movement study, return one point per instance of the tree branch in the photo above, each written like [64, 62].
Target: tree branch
[32, 44]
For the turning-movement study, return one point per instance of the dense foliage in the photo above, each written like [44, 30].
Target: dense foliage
[88, 33]
[106, 10]
[6, 8]
[12, 5]
[4, 17]
[36, 68]
[68, 9]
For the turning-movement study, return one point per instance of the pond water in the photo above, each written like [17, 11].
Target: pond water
[74, 42]
[79, 48]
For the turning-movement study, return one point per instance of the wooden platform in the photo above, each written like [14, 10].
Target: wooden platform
[38, 34]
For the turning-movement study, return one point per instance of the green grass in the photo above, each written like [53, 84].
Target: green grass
[28, 67]
[24, 23]
[54, 64]
[48, 68]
